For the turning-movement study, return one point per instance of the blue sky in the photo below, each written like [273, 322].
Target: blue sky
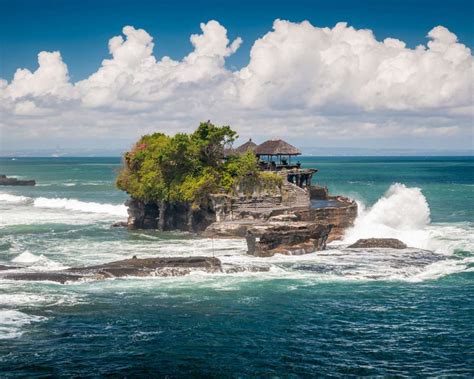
[76, 26]
[367, 74]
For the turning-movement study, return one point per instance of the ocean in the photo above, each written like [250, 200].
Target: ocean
[337, 312]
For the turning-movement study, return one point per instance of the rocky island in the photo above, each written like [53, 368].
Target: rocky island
[198, 183]
[6, 181]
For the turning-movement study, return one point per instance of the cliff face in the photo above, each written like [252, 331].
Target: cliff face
[168, 216]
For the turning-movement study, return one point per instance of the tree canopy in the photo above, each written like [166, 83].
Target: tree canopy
[187, 167]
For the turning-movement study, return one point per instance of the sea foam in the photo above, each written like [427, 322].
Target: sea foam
[13, 321]
[37, 262]
[402, 213]
[81, 206]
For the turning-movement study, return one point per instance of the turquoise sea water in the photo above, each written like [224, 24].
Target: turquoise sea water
[334, 313]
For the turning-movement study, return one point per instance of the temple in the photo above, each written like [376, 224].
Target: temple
[276, 155]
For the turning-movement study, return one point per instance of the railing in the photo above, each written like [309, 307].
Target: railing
[265, 166]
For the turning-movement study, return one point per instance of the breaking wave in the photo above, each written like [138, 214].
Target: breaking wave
[13, 199]
[63, 203]
[81, 206]
[402, 213]
[37, 262]
[19, 205]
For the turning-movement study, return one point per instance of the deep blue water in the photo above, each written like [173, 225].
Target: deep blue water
[335, 313]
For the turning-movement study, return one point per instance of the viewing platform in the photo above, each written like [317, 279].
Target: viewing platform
[276, 155]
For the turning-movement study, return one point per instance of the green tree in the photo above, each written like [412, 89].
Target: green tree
[188, 167]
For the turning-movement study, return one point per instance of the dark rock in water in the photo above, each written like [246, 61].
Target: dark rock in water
[174, 266]
[294, 238]
[384, 243]
[2, 267]
[119, 224]
[6, 181]
[53, 276]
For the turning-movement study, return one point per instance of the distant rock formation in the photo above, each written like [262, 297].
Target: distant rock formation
[6, 181]
[384, 243]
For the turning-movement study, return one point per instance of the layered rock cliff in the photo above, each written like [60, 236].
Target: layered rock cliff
[283, 218]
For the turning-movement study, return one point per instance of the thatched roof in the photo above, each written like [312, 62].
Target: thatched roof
[276, 147]
[249, 145]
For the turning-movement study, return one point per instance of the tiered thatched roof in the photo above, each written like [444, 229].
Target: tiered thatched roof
[276, 147]
[249, 145]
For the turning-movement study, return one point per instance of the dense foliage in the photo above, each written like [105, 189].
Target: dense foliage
[189, 167]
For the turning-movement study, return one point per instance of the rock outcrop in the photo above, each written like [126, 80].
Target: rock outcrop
[384, 243]
[174, 266]
[168, 216]
[293, 238]
[339, 211]
[6, 181]
[283, 218]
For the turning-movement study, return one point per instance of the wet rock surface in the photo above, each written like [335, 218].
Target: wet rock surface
[119, 224]
[294, 238]
[3, 267]
[174, 266]
[383, 243]
[134, 267]
[6, 181]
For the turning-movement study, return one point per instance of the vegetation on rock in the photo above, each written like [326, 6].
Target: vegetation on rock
[189, 167]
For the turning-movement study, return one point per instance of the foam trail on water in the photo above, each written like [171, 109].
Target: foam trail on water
[12, 322]
[81, 206]
[402, 213]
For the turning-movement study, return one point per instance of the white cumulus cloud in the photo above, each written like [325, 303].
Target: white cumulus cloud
[312, 82]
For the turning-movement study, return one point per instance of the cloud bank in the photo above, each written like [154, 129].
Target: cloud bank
[310, 83]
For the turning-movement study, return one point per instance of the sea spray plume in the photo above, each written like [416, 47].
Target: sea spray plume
[402, 213]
